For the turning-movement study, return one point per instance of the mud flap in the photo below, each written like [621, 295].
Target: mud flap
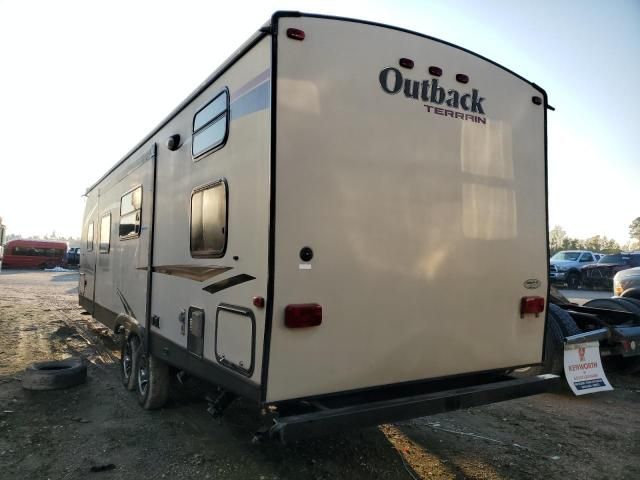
[583, 368]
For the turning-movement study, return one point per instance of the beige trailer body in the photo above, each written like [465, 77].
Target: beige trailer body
[425, 226]
[422, 196]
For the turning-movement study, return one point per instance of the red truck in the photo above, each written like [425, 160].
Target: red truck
[33, 254]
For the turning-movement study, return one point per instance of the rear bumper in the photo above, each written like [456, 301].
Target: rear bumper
[362, 414]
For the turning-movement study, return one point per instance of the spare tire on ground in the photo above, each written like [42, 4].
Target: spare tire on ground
[55, 374]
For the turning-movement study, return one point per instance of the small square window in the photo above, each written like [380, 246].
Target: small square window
[209, 220]
[211, 125]
[130, 214]
[90, 237]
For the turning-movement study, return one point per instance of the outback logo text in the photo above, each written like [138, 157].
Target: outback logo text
[430, 90]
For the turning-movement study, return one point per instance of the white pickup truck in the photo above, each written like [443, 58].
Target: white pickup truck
[565, 266]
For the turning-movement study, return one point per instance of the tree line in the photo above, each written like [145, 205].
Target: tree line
[72, 241]
[559, 240]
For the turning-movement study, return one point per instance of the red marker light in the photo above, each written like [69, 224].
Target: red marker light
[258, 302]
[406, 63]
[531, 305]
[435, 71]
[295, 33]
[303, 315]
[462, 78]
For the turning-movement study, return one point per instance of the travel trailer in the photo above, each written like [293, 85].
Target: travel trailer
[346, 223]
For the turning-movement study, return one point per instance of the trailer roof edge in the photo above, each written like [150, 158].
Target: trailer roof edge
[238, 53]
[261, 33]
[280, 14]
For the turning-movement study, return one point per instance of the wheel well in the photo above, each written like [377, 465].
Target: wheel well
[125, 323]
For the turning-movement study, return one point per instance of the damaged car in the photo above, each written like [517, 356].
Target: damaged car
[600, 275]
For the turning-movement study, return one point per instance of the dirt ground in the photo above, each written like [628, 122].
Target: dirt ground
[63, 434]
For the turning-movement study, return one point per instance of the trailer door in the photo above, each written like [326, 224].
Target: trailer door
[88, 251]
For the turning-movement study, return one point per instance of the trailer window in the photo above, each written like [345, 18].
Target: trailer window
[38, 252]
[210, 125]
[130, 214]
[105, 233]
[209, 220]
[90, 237]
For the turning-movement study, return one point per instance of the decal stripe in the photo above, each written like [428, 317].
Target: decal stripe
[125, 304]
[228, 282]
[254, 101]
[261, 78]
[192, 272]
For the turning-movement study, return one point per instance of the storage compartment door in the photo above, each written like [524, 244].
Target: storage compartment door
[235, 338]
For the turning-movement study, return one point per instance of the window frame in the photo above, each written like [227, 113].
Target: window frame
[202, 188]
[133, 235]
[100, 250]
[225, 113]
[90, 248]
[586, 257]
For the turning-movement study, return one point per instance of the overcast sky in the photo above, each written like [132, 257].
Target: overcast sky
[81, 82]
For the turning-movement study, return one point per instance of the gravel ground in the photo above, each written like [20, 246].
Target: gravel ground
[64, 434]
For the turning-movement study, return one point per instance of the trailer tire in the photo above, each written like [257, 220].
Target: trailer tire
[565, 321]
[554, 340]
[128, 361]
[55, 374]
[152, 380]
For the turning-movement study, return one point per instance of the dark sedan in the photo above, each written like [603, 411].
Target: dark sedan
[601, 274]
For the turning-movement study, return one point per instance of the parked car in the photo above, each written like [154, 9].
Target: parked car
[33, 253]
[566, 265]
[626, 283]
[73, 256]
[601, 274]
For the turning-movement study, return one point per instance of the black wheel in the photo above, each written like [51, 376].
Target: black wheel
[152, 381]
[573, 281]
[55, 374]
[559, 325]
[552, 362]
[565, 321]
[128, 358]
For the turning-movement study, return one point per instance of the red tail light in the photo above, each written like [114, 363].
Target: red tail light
[303, 315]
[531, 305]
[295, 33]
